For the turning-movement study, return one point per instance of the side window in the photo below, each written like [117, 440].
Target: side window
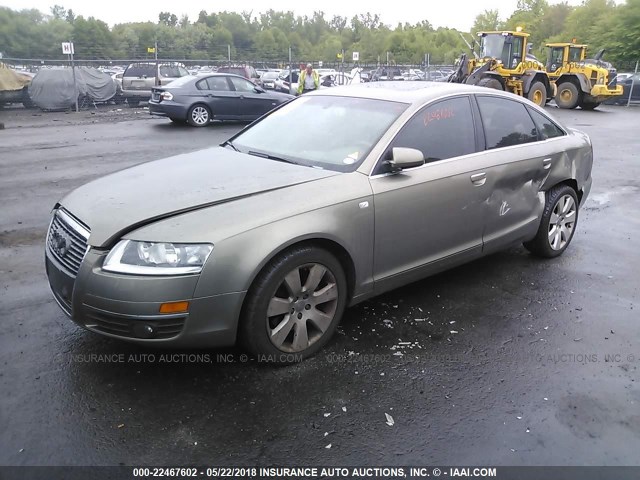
[574, 54]
[546, 127]
[183, 71]
[242, 85]
[442, 130]
[506, 122]
[218, 83]
[202, 84]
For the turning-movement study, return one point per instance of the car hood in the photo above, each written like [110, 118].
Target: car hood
[118, 203]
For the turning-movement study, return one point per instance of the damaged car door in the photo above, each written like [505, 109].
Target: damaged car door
[429, 217]
[515, 165]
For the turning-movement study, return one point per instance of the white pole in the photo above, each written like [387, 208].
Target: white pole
[229, 53]
[73, 72]
[631, 87]
[290, 69]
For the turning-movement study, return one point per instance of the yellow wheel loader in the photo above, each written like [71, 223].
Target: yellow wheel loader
[505, 64]
[580, 81]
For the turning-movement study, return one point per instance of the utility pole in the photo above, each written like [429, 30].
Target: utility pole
[155, 52]
[229, 53]
[73, 72]
[631, 86]
[290, 69]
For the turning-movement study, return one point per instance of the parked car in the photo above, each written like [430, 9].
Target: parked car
[117, 78]
[246, 71]
[630, 85]
[269, 237]
[268, 80]
[139, 78]
[203, 99]
[384, 74]
[282, 82]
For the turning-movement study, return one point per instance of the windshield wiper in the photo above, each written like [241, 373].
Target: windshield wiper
[271, 157]
[230, 144]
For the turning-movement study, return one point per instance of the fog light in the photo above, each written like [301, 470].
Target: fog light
[174, 307]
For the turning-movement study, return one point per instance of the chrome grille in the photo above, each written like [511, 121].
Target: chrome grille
[67, 241]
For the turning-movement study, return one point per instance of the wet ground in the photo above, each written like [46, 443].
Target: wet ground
[509, 360]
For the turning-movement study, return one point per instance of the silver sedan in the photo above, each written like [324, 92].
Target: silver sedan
[267, 238]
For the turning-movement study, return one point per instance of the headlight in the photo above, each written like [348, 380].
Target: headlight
[151, 258]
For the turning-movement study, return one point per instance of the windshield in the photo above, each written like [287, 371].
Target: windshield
[492, 46]
[330, 132]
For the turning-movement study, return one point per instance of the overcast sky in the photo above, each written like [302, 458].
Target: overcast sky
[448, 13]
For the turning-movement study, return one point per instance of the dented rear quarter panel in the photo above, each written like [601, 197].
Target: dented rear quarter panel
[574, 161]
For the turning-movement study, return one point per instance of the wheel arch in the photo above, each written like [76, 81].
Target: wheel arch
[578, 80]
[328, 243]
[571, 182]
[534, 76]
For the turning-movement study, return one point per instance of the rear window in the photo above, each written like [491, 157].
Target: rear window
[140, 70]
[171, 71]
[235, 70]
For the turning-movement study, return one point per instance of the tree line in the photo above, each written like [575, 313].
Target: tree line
[269, 35]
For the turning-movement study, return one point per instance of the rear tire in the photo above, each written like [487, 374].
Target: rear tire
[538, 94]
[294, 305]
[490, 82]
[568, 95]
[558, 224]
[199, 115]
[26, 99]
[589, 105]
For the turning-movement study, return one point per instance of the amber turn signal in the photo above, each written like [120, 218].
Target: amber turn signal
[174, 307]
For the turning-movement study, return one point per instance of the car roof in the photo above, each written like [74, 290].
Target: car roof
[406, 92]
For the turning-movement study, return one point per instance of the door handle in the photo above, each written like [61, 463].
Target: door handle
[479, 179]
[546, 163]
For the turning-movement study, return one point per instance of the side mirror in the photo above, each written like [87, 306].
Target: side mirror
[258, 90]
[405, 158]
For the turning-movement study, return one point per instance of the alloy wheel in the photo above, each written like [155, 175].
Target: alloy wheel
[200, 115]
[302, 308]
[562, 222]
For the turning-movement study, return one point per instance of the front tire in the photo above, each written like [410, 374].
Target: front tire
[558, 224]
[490, 82]
[589, 105]
[199, 116]
[538, 94]
[568, 95]
[294, 305]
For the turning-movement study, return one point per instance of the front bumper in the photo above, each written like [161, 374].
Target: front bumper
[127, 306]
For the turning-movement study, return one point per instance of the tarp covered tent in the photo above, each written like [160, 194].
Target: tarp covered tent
[52, 88]
[11, 80]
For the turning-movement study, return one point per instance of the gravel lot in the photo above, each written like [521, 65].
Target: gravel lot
[542, 368]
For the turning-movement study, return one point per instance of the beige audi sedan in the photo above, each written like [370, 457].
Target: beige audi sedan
[330, 199]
